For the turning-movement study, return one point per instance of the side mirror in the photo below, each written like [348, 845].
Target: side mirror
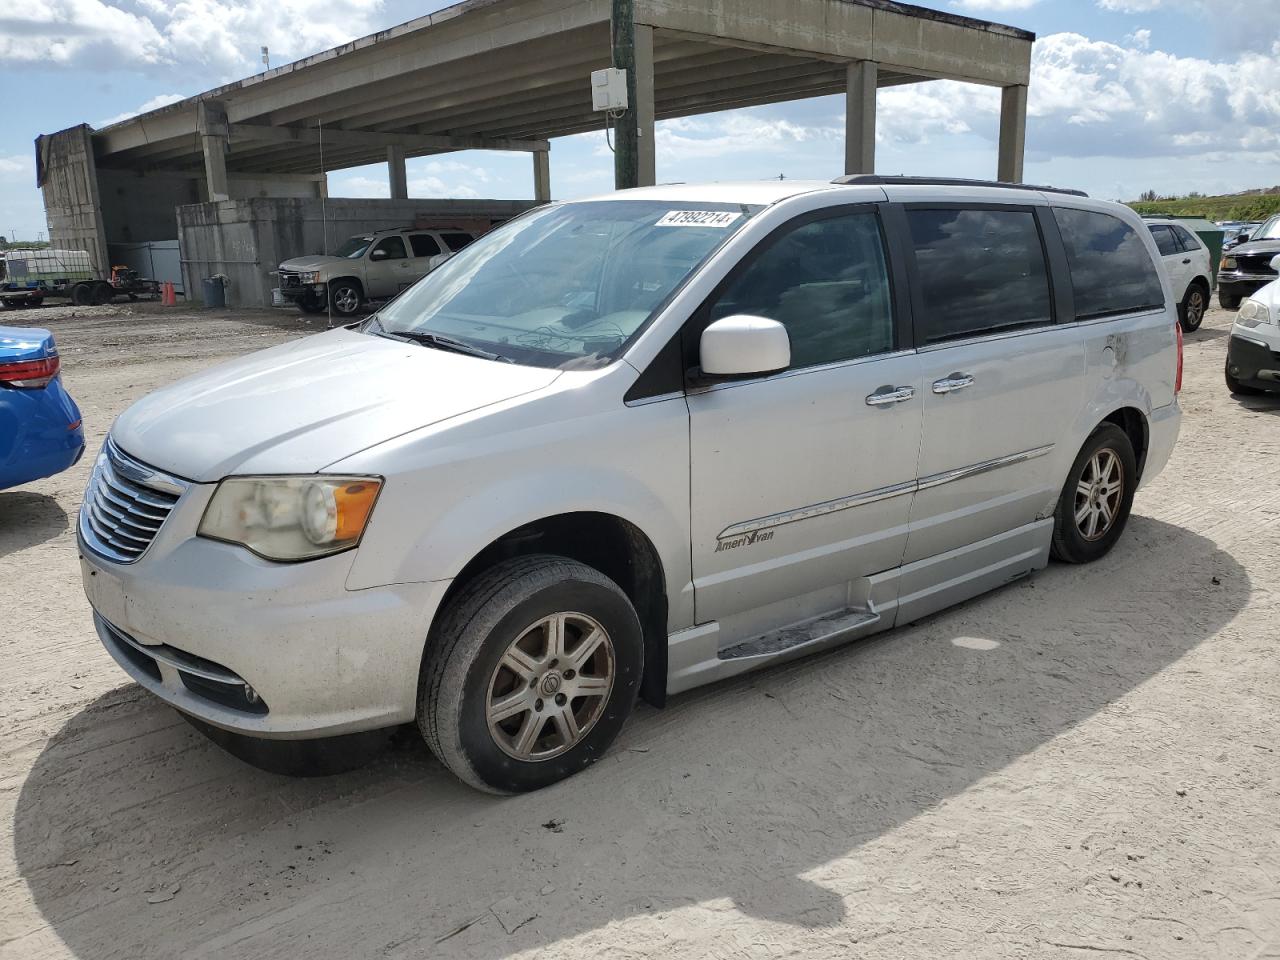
[1243, 238]
[1275, 263]
[378, 255]
[743, 345]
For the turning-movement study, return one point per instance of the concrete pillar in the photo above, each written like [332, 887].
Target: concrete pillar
[397, 175]
[860, 117]
[1013, 133]
[646, 148]
[215, 138]
[542, 176]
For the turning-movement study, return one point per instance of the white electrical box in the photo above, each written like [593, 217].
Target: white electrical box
[609, 89]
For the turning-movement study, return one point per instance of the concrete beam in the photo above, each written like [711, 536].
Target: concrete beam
[249, 132]
[1013, 133]
[397, 175]
[860, 117]
[542, 176]
[211, 124]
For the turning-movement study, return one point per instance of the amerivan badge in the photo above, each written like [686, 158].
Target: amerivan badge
[756, 536]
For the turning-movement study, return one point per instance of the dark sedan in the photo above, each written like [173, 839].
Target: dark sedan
[1247, 267]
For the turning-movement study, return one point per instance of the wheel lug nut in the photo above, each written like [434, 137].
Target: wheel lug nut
[561, 699]
[569, 674]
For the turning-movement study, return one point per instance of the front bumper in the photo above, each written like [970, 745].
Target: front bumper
[306, 291]
[1253, 362]
[196, 620]
[1235, 284]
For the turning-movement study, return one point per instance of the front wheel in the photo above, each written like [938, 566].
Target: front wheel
[532, 672]
[311, 304]
[1229, 301]
[345, 296]
[1191, 310]
[1095, 502]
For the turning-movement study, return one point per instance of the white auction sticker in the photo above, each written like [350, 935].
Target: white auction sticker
[698, 218]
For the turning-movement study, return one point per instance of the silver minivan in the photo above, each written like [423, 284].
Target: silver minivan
[626, 446]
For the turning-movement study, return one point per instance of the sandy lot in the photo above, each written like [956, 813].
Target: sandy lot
[1081, 764]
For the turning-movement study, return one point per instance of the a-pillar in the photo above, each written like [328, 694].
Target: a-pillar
[215, 133]
[542, 176]
[397, 175]
[860, 117]
[1013, 133]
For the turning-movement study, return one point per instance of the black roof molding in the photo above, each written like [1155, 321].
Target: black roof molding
[877, 180]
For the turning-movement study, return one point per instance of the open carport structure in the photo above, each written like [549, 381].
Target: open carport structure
[513, 75]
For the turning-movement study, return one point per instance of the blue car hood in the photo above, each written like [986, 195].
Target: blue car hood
[25, 343]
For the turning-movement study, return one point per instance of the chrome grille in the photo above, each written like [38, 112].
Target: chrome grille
[125, 505]
[1259, 263]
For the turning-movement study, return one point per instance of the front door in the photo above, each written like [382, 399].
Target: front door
[389, 269]
[802, 481]
[1002, 383]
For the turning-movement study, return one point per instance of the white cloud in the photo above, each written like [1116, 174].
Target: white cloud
[994, 5]
[1138, 6]
[1140, 39]
[221, 37]
[155, 103]
[15, 165]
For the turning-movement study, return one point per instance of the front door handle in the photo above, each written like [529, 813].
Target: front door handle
[889, 395]
[956, 381]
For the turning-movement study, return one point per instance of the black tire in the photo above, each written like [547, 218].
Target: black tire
[1191, 310]
[462, 663]
[1229, 301]
[346, 297]
[1238, 388]
[102, 293]
[1070, 543]
[82, 294]
[311, 304]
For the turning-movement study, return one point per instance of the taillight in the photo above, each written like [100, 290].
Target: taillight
[1177, 380]
[29, 374]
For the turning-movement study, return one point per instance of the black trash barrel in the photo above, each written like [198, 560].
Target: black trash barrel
[215, 294]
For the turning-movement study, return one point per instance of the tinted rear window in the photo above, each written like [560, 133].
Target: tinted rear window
[1111, 270]
[1190, 242]
[424, 245]
[980, 271]
[1166, 242]
[457, 241]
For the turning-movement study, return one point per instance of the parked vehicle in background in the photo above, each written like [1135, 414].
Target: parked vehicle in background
[1236, 232]
[1186, 260]
[28, 277]
[370, 266]
[40, 427]
[1253, 352]
[636, 444]
[1247, 267]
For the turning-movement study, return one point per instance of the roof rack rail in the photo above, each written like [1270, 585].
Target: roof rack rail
[877, 180]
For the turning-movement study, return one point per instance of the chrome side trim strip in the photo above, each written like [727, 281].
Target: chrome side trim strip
[818, 510]
[950, 476]
[881, 493]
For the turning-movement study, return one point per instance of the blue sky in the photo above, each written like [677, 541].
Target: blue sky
[1127, 95]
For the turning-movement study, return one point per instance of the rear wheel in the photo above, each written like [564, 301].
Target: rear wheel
[1229, 301]
[531, 674]
[1191, 310]
[82, 294]
[1095, 502]
[102, 293]
[345, 296]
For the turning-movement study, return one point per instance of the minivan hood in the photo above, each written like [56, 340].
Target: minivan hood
[313, 262]
[299, 407]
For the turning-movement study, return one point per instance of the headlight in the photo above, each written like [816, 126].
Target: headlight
[1228, 263]
[291, 518]
[1252, 313]
[311, 277]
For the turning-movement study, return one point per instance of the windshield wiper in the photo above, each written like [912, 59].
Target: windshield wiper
[443, 343]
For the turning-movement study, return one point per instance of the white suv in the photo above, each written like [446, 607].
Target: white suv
[632, 445]
[1189, 265]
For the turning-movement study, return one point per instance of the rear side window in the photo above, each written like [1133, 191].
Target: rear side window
[979, 271]
[424, 245]
[457, 241]
[1190, 242]
[1111, 270]
[827, 282]
[1166, 241]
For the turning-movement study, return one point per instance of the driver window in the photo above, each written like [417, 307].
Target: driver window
[392, 248]
[826, 281]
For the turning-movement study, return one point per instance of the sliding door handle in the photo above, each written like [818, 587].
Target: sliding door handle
[957, 381]
[887, 396]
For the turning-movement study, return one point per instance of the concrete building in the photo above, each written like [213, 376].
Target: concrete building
[214, 169]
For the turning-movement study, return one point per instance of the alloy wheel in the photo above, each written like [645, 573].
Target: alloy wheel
[346, 300]
[1195, 309]
[1099, 492]
[550, 687]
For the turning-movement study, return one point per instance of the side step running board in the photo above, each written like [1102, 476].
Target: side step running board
[813, 633]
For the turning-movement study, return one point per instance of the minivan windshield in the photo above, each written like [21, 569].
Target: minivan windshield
[565, 286]
[354, 248]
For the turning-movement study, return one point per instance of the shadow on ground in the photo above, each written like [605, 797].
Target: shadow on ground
[734, 797]
[27, 519]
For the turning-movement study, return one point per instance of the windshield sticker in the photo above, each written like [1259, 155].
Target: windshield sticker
[719, 219]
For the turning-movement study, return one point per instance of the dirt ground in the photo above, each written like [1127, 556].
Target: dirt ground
[1081, 764]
